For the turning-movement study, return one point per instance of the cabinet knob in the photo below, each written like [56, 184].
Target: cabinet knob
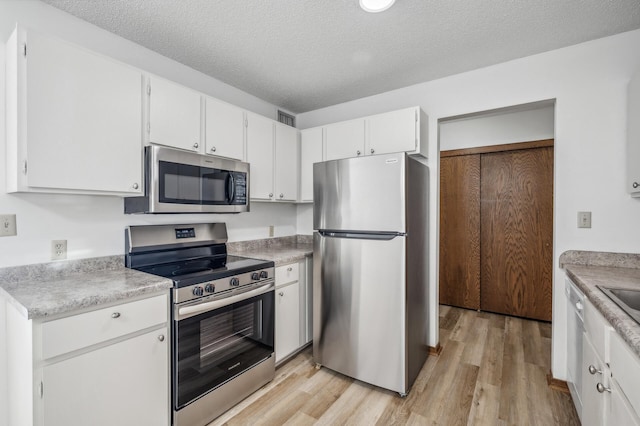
[161, 337]
[593, 370]
[281, 195]
[115, 315]
[373, 150]
[213, 149]
[289, 269]
[358, 152]
[281, 294]
[195, 145]
[271, 195]
[135, 186]
[600, 388]
[635, 184]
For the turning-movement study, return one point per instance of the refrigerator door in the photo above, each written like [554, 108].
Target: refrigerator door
[365, 194]
[359, 308]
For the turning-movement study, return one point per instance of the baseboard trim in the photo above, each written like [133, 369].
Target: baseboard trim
[435, 351]
[557, 384]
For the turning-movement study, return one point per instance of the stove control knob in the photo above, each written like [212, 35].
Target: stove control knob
[255, 276]
[264, 274]
[234, 282]
[197, 291]
[209, 288]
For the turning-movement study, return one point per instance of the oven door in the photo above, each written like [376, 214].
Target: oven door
[215, 341]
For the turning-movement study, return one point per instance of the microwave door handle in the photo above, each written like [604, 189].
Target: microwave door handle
[231, 188]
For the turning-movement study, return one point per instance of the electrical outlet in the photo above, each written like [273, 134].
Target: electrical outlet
[271, 228]
[8, 225]
[584, 219]
[58, 249]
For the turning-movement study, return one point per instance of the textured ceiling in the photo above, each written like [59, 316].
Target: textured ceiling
[307, 54]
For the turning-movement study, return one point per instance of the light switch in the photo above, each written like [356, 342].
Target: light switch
[584, 219]
[8, 225]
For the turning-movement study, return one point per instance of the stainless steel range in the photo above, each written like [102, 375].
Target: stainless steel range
[222, 316]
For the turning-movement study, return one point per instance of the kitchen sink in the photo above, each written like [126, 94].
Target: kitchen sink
[628, 300]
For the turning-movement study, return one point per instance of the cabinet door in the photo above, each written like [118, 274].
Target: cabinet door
[84, 119]
[310, 153]
[287, 320]
[345, 139]
[620, 411]
[633, 136]
[392, 132]
[174, 115]
[126, 383]
[260, 156]
[224, 130]
[593, 402]
[286, 163]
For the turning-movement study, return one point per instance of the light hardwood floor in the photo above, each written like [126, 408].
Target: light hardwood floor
[491, 371]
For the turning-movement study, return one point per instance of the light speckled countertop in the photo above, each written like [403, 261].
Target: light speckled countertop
[48, 289]
[280, 250]
[590, 269]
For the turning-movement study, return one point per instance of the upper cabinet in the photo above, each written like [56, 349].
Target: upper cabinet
[310, 153]
[286, 163]
[633, 136]
[260, 156]
[174, 115]
[74, 119]
[345, 139]
[224, 129]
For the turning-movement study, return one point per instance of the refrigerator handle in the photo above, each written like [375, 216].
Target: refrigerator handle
[382, 236]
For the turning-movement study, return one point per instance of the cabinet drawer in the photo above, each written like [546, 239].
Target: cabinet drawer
[598, 329]
[625, 369]
[287, 274]
[82, 330]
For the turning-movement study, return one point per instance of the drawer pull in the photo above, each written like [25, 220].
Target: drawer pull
[281, 294]
[115, 315]
[289, 269]
[593, 370]
[161, 337]
[600, 388]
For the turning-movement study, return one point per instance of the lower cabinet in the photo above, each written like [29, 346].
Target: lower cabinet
[293, 308]
[594, 372]
[109, 366]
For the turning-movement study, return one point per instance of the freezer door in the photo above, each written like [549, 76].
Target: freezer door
[360, 194]
[359, 308]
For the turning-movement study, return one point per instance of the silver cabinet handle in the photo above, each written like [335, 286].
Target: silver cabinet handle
[373, 150]
[579, 306]
[271, 195]
[593, 370]
[358, 152]
[600, 388]
[635, 184]
[281, 294]
[213, 149]
[135, 185]
[161, 337]
[195, 145]
[115, 315]
[281, 195]
[289, 269]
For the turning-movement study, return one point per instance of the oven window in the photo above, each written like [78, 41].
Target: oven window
[187, 184]
[213, 347]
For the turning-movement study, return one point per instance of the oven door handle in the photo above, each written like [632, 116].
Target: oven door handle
[189, 311]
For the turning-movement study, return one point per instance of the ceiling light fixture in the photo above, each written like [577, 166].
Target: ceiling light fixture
[375, 6]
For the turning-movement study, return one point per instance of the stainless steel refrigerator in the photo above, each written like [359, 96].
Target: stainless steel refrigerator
[370, 241]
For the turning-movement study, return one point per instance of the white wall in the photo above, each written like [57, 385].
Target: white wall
[497, 129]
[94, 225]
[588, 82]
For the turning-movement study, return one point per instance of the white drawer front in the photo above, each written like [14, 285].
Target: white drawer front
[598, 329]
[287, 274]
[82, 330]
[625, 369]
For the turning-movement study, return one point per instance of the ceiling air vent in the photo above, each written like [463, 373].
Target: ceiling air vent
[287, 119]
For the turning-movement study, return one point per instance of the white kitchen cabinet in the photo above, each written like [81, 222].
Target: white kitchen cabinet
[625, 377]
[633, 136]
[224, 129]
[287, 319]
[74, 119]
[310, 153]
[174, 115]
[621, 412]
[286, 163]
[260, 156]
[344, 139]
[394, 131]
[594, 372]
[102, 367]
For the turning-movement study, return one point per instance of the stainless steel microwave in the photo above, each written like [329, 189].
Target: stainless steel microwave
[185, 182]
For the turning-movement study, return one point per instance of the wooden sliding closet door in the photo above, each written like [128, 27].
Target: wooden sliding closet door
[517, 232]
[460, 231]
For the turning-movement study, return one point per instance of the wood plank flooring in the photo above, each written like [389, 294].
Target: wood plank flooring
[492, 371]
